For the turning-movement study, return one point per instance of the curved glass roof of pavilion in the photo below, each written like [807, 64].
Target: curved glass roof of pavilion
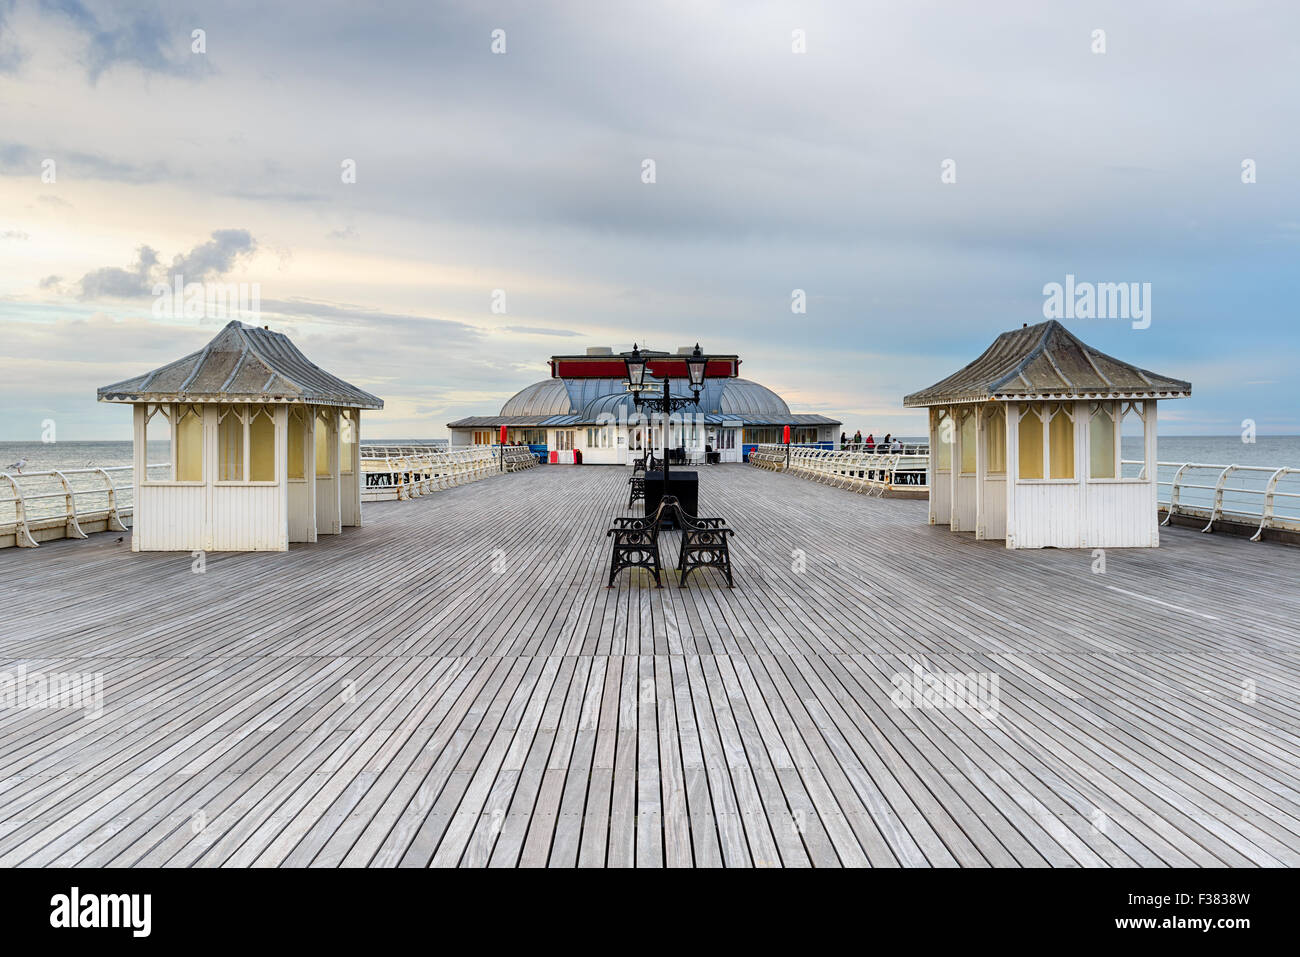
[564, 402]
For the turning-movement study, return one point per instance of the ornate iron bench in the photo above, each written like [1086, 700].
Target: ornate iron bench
[704, 545]
[636, 544]
[637, 493]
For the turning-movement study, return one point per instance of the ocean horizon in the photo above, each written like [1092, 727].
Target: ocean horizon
[1267, 450]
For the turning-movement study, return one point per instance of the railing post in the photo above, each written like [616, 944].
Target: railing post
[115, 522]
[1174, 489]
[1217, 510]
[71, 528]
[1266, 512]
[22, 534]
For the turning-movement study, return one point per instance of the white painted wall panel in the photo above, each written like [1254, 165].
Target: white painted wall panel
[965, 503]
[941, 497]
[170, 518]
[995, 507]
[248, 519]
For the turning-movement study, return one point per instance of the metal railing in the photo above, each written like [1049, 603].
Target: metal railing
[1245, 494]
[905, 448]
[403, 472]
[56, 503]
[869, 472]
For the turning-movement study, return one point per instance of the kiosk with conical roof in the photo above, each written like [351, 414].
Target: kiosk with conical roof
[264, 447]
[1026, 444]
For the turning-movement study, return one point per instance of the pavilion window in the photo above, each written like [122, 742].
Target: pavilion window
[1030, 440]
[158, 435]
[188, 433]
[968, 440]
[1133, 435]
[297, 443]
[1061, 442]
[995, 441]
[1101, 441]
[230, 443]
[261, 444]
[323, 444]
[943, 446]
[347, 440]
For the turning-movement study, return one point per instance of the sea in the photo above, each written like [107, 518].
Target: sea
[1270, 451]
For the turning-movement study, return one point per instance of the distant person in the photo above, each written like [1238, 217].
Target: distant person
[857, 437]
[896, 446]
[884, 443]
[844, 439]
[871, 443]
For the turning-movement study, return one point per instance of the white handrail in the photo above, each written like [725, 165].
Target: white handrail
[1216, 508]
[73, 512]
[859, 471]
[403, 472]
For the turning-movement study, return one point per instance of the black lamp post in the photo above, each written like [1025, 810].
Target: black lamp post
[696, 365]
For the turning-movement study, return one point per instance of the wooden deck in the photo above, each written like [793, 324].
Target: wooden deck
[453, 684]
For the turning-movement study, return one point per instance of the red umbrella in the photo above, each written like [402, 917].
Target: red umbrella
[786, 437]
[503, 435]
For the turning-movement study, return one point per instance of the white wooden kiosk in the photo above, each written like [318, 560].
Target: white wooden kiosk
[264, 447]
[1026, 444]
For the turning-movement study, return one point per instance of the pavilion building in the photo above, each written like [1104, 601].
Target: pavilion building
[1044, 441]
[264, 447]
[585, 408]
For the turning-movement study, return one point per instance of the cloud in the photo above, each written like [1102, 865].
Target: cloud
[215, 257]
[144, 38]
[538, 331]
[208, 260]
[113, 283]
[52, 282]
[15, 234]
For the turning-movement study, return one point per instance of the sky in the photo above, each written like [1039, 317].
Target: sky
[919, 171]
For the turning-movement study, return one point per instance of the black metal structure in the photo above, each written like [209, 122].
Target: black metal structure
[704, 543]
[696, 364]
[636, 545]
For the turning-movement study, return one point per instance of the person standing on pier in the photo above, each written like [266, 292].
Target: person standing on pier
[871, 443]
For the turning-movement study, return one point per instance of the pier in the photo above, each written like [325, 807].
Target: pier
[452, 684]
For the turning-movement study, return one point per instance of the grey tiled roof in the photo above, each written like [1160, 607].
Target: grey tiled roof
[572, 402]
[242, 364]
[1045, 360]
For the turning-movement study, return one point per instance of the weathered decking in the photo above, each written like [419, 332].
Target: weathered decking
[453, 684]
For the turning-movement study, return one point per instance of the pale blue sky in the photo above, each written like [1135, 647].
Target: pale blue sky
[775, 171]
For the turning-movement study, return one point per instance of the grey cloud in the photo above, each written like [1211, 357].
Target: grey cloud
[537, 331]
[11, 54]
[145, 38]
[14, 234]
[215, 257]
[114, 283]
[18, 159]
[51, 282]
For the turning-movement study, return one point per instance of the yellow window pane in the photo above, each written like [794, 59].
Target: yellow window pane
[297, 444]
[230, 445]
[157, 439]
[261, 447]
[968, 439]
[1101, 443]
[189, 446]
[347, 440]
[1031, 446]
[1061, 445]
[995, 442]
[943, 443]
[322, 447]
